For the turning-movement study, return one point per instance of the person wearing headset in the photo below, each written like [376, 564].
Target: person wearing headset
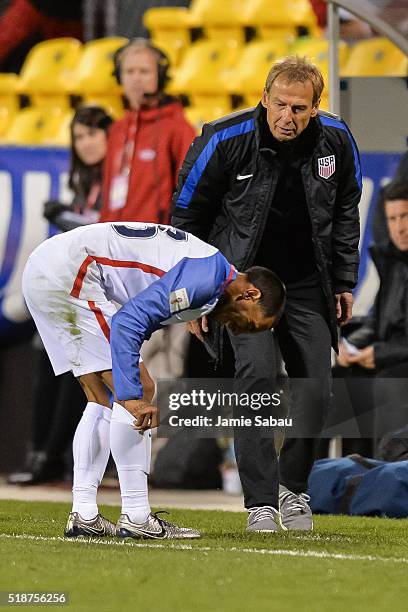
[147, 146]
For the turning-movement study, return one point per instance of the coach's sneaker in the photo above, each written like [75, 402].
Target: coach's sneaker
[97, 527]
[154, 527]
[264, 518]
[295, 510]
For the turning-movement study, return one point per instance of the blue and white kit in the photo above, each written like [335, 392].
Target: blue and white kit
[97, 292]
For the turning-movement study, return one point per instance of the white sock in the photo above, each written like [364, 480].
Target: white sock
[131, 452]
[91, 453]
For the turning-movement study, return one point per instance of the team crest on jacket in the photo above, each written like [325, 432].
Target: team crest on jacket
[327, 166]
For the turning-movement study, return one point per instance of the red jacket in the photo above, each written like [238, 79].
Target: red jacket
[320, 9]
[162, 137]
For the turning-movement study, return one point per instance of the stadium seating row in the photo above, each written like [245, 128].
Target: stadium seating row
[40, 126]
[171, 28]
[53, 72]
[211, 72]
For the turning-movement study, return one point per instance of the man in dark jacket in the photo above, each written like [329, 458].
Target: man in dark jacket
[279, 186]
[379, 226]
[382, 342]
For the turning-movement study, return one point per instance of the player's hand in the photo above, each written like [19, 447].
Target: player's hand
[365, 358]
[146, 415]
[197, 327]
[344, 307]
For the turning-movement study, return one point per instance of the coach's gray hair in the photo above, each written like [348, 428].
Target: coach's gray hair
[297, 70]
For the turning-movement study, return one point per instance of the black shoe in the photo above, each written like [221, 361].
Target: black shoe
[38, 469]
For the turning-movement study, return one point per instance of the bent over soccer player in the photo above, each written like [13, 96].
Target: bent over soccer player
[74, 285]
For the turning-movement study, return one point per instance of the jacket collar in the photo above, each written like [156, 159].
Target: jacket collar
[387, 252]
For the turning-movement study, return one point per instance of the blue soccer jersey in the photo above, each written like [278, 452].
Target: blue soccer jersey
[187, 291]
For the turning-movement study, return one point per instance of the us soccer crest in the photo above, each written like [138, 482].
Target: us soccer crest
[327, 166]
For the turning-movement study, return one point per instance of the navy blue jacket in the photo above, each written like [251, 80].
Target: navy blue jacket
[227, 183]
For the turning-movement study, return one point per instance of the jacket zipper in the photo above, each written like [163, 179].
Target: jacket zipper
[261, 226]
[320, 258]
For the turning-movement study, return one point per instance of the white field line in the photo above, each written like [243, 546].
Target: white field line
[206, 549]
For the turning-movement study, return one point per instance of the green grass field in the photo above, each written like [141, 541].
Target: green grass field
[346, 564]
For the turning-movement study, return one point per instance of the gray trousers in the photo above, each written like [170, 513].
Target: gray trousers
[303, 340]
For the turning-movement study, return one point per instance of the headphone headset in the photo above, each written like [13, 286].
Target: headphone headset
[163, 63]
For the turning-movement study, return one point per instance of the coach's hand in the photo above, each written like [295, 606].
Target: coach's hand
[344, 307]
[365, 358]
[146, 415]
[197, 327]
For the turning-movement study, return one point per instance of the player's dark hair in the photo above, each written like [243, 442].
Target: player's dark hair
[271, 287]
[82, 176]
[396, 190]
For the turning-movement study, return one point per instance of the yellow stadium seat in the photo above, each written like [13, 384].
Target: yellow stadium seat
[376, 57]
[33, 126]
[94, 73]
[9, 100]
[324, 102]
[48, 71]
[112, 104]
[9, 90]
[62, 135]
[271, 17]
[169, 30]
[204, 68]
[317, 50]
[249, 74]
[219, 20]
[198, 115]
[252, 99]
[6, 118]
[211, 101]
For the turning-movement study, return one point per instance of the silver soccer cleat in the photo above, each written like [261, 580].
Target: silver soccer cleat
[97, 527]
[154, 527]
[295, 510]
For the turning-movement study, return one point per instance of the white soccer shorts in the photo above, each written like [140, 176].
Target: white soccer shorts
[75, 332]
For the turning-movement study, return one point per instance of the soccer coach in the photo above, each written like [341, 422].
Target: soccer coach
[278, 186]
